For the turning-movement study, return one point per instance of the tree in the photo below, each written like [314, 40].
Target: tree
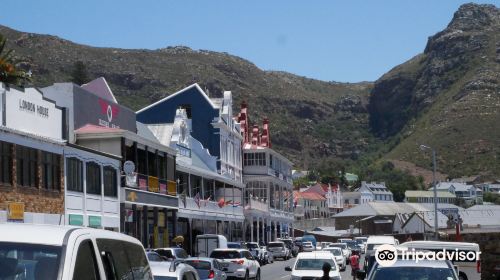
[8, 72]
[79, 75]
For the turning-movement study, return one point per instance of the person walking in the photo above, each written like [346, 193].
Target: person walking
[326, 271]
[354, 261]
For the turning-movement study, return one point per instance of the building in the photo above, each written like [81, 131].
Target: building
[331, 193]
[268, 197]
[32, 139]
[148, 200]
[209, 203]
[375, 192]
[467, 193]
[310, 205]
[351, 199]
[428, 197]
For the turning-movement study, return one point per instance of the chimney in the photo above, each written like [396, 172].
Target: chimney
[243, 120]
[265, 138]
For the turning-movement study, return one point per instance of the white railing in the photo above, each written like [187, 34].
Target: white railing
[254, 204]
[209, 207]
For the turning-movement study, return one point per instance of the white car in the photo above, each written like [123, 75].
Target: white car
[309, 266]
[307, 247]
[339, 257]
[345, 249]
[279, 250]
[173, 270]
[237, 263]
[67, 252]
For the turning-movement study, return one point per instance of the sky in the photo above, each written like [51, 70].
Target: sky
[343, 41]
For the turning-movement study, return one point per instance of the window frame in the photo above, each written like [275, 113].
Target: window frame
[94, 259]
[88, 181]
[114, 182]
[77, 181]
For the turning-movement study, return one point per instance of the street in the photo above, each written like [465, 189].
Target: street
[276, 270]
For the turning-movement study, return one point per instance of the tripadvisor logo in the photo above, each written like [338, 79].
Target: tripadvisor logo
[387, 255]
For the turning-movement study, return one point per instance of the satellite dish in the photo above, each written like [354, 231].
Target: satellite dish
[128, 167]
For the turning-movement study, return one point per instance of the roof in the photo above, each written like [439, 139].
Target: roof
[428, 218]
[318, 188]
[91, 128]
[51, 234]
[390, 208]
[460, 187]
[162, 131]
[308, 195]
[315, 255]
[428, 194]
[484, 207]
[100, 88]
[349, 195]
[376, 188]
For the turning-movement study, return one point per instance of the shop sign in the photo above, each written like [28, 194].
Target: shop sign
[171, 187]
[153, 184]
[76, 220]
[15, 211]
[163, 187]
[95, 221]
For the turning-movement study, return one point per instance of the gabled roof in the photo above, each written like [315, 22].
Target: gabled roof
[195, 85]
[428, 194]
[391, 208]
[318, 189]
[308, 196]
[459, 187]
[100, 88]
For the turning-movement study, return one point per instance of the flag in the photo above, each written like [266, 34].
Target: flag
[197, 199]
[221, 202]
[229, 202]
[207, 200]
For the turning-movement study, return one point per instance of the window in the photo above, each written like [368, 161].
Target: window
[141, 161]
[51, 171]
[124, 260]
[162, 162]
[170, 168]
[195, 186]
[86, 264]
[187, 107]
[254, 159]
[153, 171]
[346, 201]
[26, 166]
[5, 162]
[110, 182]
[93, 178]
[74, 174]
[356, 201]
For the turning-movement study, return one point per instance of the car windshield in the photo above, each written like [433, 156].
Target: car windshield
[313, 264]
[202, 265]
[29, 261]
[413, 273]
[274, 245]
[252, 246]
[225, 255]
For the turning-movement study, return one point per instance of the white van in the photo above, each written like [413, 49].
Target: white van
[375, 240]
[206, 243]
[466, 269]
[63, 252]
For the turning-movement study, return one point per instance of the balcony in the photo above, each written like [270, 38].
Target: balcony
[190, 204]
[151, 184]
[255, 204]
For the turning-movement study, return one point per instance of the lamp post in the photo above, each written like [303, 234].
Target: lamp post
[423, 148]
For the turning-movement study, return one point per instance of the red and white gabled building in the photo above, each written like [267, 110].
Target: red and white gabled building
[268, 196]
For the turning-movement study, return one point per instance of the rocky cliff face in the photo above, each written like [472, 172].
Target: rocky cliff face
[449, 96]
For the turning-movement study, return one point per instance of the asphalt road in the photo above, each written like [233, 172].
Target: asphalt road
[276, 270]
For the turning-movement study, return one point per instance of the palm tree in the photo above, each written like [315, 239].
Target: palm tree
[8, 72]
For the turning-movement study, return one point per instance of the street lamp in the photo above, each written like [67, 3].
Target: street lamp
[423, 148]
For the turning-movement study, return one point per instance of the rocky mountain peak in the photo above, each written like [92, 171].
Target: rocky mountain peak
[474, 16]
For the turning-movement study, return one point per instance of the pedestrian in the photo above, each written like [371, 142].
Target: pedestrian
[326, 271]
[354, 261]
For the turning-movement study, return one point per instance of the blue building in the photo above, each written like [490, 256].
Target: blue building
[210, 121]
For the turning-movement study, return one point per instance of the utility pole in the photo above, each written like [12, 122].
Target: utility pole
[424, 147]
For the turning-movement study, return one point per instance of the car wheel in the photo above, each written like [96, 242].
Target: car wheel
[257, 277]
[462, 276]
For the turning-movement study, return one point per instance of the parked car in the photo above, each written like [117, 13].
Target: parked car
[61, 252]
[171, 270]
[257, 252]
[207, 268]
[279, 250]
[294, 249]
[410, 269]
[310, 238]
[206, 243]
[307, 246]
[237, 263]
[361, 241]
[172, 253]
[374, 240]
[339, 257]
[268, 256]
[345, 250]
[309, 266]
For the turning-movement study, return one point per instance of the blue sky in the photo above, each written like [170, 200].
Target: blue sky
[345, 41]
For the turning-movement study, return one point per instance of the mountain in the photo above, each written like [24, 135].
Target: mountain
[448, 98]
[310, 120]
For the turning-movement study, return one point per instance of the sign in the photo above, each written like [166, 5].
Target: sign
[171, 188]
[15, 211]
[26, 110]
[95, 221]
[449, 211]
[163, 187]
[132, 196]
[153, 184]
[75, 220]
[151, 198]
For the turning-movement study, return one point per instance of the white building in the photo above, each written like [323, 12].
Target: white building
[374, 192]
[470, 194]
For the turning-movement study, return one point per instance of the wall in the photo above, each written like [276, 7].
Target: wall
[313, 223]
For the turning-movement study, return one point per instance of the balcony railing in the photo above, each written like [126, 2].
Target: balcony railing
[151, 184]
[255, 204]
[209, 206]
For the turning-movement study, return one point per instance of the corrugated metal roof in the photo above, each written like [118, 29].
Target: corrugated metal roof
[390, 208]
[428, 194]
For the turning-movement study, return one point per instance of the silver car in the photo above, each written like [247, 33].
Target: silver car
[207, 268]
